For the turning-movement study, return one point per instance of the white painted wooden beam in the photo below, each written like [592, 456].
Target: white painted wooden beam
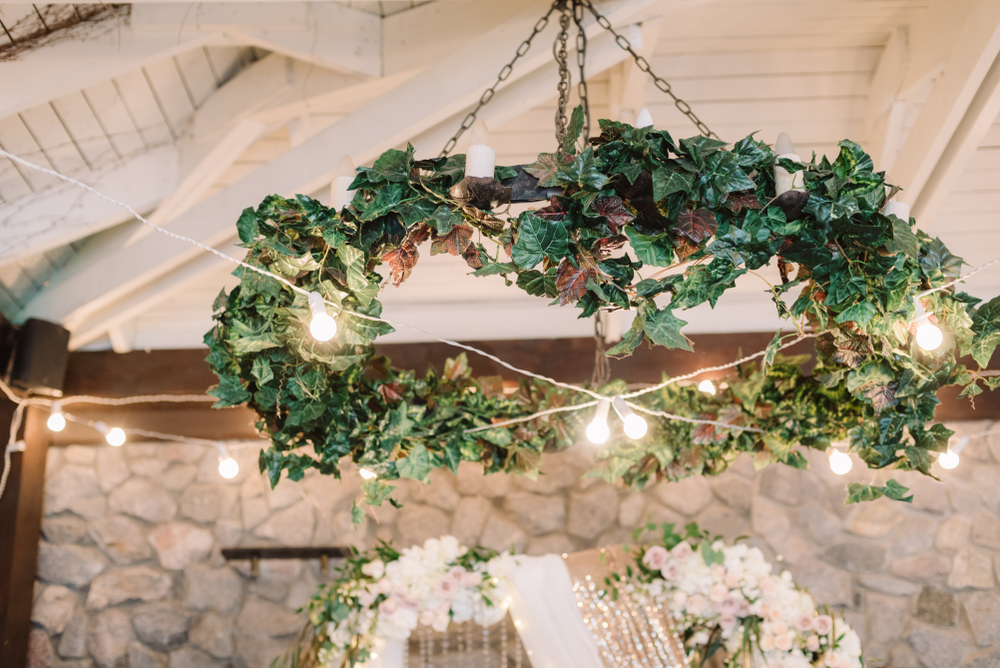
[885, 106]
[104, 270]
[64, 213]
[972, 55]
[628, 82]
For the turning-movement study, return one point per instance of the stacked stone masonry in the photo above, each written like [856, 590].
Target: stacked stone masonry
[130, 572]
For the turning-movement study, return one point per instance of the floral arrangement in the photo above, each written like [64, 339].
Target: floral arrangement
[728, 597]
[386, 593]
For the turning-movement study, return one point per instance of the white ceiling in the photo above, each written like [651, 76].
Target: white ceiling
[191, 114]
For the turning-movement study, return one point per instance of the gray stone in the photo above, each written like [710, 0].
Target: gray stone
[791, 547]
[207, 503]
[986, 480]
[827, 584]
[292, 526]
[983, 612]
[73, 642]
[471, 481]
[936, 607]
[986, 530]
[418, 523]
[212, 588]
[179, 544]
[440, 493]
[903, 657]
[188, 657]
[187, 453]
[734, 491]
[887, 584]
[593, 511]
[121, 538]
[915, 535]
[768, 518]
[660, 514]
[935, 649]
[112, 468]
[720, 520]
[143, 499]
[924, 566]
[285, 494]
[688, 496]
[254, 652]
[108, 637]
[501, 535]
[928, 494]
[536, 514]
[555, 543]
[874, 519]
[53, 608]
[261, 618]
[469, 519]
[964, 499]
[952, 534]
[971, 570]
[327, 491]
[71, 565]
[559, 472]
[630, 511]
[214, 634]
[79, 454]
[254, 510]
[856, 557]
[819, 523]
[987, 660]
[781, 483]
[140, 656]
[148, 468]
[886, 625]
[135, 583]
[162, 625]
[178, 477]
[64, 529]
[75, 488]
[40, 654]
[273, 591]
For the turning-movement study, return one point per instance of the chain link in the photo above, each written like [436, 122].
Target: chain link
[505, 72]
[643, 65]
[581, 59]
[562, 58]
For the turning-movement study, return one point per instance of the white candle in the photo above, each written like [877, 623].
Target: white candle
[480, 161]
[644, 119]
[340, 195]
[783, 179]
[899, 209]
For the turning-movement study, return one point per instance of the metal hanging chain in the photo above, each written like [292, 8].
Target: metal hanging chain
[504, 74]
[602, 366]
[581, 59]
[643, 65]
[562, 58]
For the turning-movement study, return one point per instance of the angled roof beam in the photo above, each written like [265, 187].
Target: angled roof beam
[106, 269]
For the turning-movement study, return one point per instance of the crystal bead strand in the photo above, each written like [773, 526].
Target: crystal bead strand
[444, 648]
[503, 643]
[486, 647]
[470, 661]
[518, 651]
[406, 653]
[423, 646]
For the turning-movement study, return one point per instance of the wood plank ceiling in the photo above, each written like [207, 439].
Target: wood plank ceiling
[745, 66]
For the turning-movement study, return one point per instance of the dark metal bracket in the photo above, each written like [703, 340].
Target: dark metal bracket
[255, 554]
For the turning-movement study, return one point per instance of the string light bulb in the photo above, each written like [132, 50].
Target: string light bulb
[950, 459]
[228, 467]
[707, 386]
[840, 462]
[368, 475]
[322, 327]
[929, 336]
[56, 421]
[644, 119]
[634, 425]
[113, 435]
[598, 431]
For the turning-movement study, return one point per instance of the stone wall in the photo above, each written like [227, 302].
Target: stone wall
[130, 571]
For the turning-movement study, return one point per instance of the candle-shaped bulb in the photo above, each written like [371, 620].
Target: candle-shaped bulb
[644, 119]
[480, 133]
[784, 145]
[340, 193]
[480, 161]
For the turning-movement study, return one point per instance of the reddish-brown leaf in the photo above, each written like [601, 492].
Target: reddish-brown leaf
[391, 393]
[571, 282]
[420, 233]
[554, 211]
[747, 199]
[459, 242]
[545, 170]
[603, 247]
[697, 225]
[614, 211]
[401, 261]
[684, 248]
[882, 395]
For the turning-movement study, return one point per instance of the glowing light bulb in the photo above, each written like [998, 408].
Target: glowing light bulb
[228, 467]
[707, 386]
[598, 431]
[929, 336]
[113, 435]
[840, 463]
[322, 327]
[56, 421]
[635, 426]
[948, 460]
[644, 119]
[368, 475]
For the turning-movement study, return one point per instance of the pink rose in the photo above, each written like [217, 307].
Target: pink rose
[812, 643]
[783, 642]
[445, 587]
[682, 550]
[719, 592]
[832, 660]
[472, 579]
[732, 581]
[718, 571]
[728, 622]
[671, 571]
[366, 598]
[457, 573]
[655, 558]
[680, 598]
[767, 642]
[804, 623]
[427, 617]
[696, 604]
[823, 625]
[779, 628]
[774, 614]
[767, 586]
[388, 606]
[728, 606]
[384, 586]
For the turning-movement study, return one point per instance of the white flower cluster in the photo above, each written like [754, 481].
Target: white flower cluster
[746, 601]
[426, 585]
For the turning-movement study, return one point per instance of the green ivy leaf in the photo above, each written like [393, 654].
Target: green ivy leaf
[652, 251]
[538, 238]
[584, 170]
[416, 465]
[631, 340]
[664, 329]
[395, 165]
[667, 181]
[573, 130]
[246, 226]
